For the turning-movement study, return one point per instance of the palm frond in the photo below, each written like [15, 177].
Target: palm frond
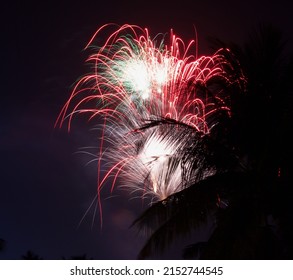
[184, 211]
[194, 251]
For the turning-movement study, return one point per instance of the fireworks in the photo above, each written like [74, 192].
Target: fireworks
[155, 101]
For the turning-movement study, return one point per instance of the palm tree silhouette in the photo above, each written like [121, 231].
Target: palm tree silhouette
[248, 197]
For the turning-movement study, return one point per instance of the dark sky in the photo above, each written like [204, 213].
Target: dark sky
[46, 186]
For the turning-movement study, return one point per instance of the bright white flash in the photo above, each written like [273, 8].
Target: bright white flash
[137, 76]
[155, 156]
[145, 77]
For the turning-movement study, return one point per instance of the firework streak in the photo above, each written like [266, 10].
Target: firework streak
[154, 100]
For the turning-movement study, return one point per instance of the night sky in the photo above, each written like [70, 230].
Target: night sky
[46, 186]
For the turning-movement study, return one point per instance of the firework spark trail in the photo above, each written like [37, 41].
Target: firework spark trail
[137, 80]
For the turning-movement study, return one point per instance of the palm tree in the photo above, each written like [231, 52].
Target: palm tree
[264, 127]
[179, 213]
[248, 197]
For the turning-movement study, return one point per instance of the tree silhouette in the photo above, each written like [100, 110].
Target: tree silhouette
[31, 256]
[78, 257]
[262, 132]
[248, 197]
[2, 244]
